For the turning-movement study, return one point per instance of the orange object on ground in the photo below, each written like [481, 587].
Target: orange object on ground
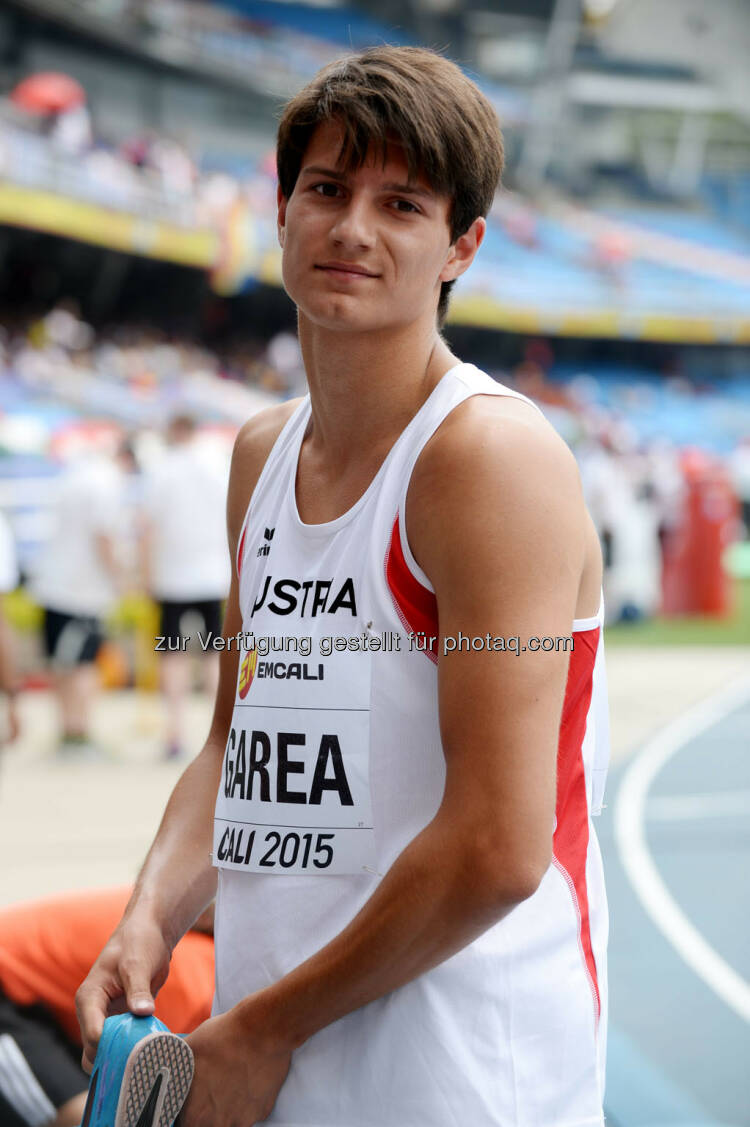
[47, 947]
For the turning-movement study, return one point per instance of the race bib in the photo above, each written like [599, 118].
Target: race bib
[295, 789]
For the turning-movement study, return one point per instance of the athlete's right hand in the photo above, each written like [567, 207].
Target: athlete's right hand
[130, 970]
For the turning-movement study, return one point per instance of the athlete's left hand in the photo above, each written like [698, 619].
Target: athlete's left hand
[238, 1073]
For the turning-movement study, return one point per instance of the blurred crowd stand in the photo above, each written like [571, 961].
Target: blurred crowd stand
[123, 542]
[666, 515]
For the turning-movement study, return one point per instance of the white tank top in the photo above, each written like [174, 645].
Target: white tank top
[334, 764]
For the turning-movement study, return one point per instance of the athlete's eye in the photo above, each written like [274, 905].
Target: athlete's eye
[409, 204]
[326, 184]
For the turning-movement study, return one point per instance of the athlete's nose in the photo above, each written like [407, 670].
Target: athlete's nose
[353, 226]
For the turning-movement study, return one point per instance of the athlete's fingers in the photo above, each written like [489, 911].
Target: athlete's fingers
[91, 1005]
[87, 1061]
[136, 981]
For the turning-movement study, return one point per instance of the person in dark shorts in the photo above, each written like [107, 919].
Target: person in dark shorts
[46, 949]
[185, 569]
[78, 579]
[71, 639]
[172, 617]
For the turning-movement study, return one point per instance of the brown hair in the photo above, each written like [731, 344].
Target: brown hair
[448, 128]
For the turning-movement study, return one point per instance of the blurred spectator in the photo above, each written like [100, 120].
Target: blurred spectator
[174, 166]
[60, 354]
[78, 578]
[739, 473]
[70, 131]
[165, 158]
[667, 482]
[611, 252]
[284, 356]
[217, 193]
[185, 561]
[520, 223]
[46, 950]
[623, 507]
[8, 582]
[63, 327]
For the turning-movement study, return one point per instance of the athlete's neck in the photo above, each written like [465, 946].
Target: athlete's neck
[364, 388]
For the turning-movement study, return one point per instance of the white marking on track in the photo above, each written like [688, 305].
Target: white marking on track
[630, 836]
[720, 804]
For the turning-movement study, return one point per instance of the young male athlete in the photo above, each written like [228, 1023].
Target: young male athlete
[411, 921]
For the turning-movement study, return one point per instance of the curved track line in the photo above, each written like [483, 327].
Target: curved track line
[636, 859]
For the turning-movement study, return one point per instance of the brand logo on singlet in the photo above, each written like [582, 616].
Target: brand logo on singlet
[310, 598]
[247, 672]
[266, 548]
[252, 669]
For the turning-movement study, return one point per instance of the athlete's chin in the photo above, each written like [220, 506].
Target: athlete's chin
[344, 316]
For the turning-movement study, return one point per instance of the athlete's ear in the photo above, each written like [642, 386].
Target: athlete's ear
[461, 253]
[281, 216]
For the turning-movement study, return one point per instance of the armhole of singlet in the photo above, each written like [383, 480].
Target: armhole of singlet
[595, 620]
[411, 563]
[272, 454]
[495, 388]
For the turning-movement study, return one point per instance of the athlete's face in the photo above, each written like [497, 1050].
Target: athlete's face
[378, 223]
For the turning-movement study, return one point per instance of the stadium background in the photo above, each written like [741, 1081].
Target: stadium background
[139, 275]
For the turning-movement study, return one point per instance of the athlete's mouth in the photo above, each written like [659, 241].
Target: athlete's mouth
[346, 269]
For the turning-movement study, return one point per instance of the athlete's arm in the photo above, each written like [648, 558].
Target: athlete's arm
[107, 552]
[177, 880]
[496, 519]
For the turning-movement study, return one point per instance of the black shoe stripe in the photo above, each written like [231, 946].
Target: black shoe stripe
[146, 1118]
[90, 1100]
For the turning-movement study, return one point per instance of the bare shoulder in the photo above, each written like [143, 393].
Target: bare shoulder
[252, 446]
[257, 436]
[492, 436]
[495, 468]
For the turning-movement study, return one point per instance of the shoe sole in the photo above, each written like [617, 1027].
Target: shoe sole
[157, 1078]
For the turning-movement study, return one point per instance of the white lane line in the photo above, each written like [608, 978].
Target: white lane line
[630, 836]
[720, 804]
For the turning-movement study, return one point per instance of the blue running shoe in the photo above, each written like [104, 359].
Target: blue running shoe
[141, 1076]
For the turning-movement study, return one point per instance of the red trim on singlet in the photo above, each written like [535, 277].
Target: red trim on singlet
[240, 550]
[416, 607]
[571, 837]
[415, 604]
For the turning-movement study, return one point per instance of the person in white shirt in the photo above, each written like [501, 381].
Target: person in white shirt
[77, 580]
[738, 465]
[185, 566]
